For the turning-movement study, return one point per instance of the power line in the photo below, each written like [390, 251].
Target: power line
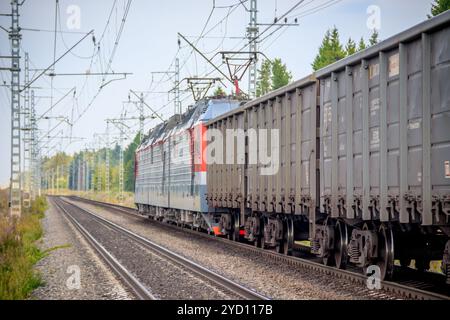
[64, 42]
[119, 34]
[203, 34]
[116, 43]
[108, 21]
[317, 8]
[54, 54]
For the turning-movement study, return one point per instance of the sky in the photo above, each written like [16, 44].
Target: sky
[149, 43]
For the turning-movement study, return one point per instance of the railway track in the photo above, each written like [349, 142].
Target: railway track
[408, 289]
[219, 281]
[134, 284]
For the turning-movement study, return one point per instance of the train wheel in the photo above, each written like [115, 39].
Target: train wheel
[340, 244]
[236, 227]
[288, 241]
[368, 226]
[258, 237]
[386, 252]
[328, 258]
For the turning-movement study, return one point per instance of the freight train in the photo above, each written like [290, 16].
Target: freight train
[358, 156]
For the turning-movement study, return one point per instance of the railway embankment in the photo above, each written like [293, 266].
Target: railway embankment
[19, 249]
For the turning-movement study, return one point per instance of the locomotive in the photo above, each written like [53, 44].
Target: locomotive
[170, 169]
[361, 153]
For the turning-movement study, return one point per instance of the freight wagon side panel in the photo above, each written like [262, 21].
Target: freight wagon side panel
[385, 132]
[280, 170]
[289, 116]
[292, 113]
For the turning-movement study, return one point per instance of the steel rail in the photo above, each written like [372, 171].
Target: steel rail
[137, 287]
[192, 266]
[403, 290]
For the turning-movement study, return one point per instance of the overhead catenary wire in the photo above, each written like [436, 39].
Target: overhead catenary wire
[202, 35]
[308, 12]
[166, 77]
[54, 54]
[92, 58]
[291, 10]
[118, 36]
[318, 8]
[63, 41]
[116, 44]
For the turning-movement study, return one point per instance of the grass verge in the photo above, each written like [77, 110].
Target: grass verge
[19, 252]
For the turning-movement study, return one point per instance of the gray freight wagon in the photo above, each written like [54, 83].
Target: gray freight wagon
[363, 158]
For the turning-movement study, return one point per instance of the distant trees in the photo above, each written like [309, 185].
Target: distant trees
[361, 45]
[350, 48]
[331, 49]
[438, 7]
[272, 75]
[281, 76]
[129, 159]
[68, 167]
[374, 38]
[264, 85]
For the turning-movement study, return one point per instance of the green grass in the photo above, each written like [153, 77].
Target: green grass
[19, 252]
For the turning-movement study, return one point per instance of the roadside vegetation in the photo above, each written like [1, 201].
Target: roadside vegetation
[18, 249]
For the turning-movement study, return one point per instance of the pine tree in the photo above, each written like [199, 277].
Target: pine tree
[438, 7]
[350, 48]
[264, 84]
[280, 74]
[338, 52]
[321, 59]
[361, 45]
[374, 38]
[330, 51]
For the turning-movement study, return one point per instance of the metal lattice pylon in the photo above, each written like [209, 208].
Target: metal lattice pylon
[107, 160]
[33, 149]
[26, 129]
[121, 197]
[252, 35]
[177, 100]
[99, 176]
[15, 185]
[141, 117]
[86, 171]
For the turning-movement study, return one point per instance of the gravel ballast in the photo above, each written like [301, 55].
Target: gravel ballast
[270, 278]
[164, 279]
[69, 253]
